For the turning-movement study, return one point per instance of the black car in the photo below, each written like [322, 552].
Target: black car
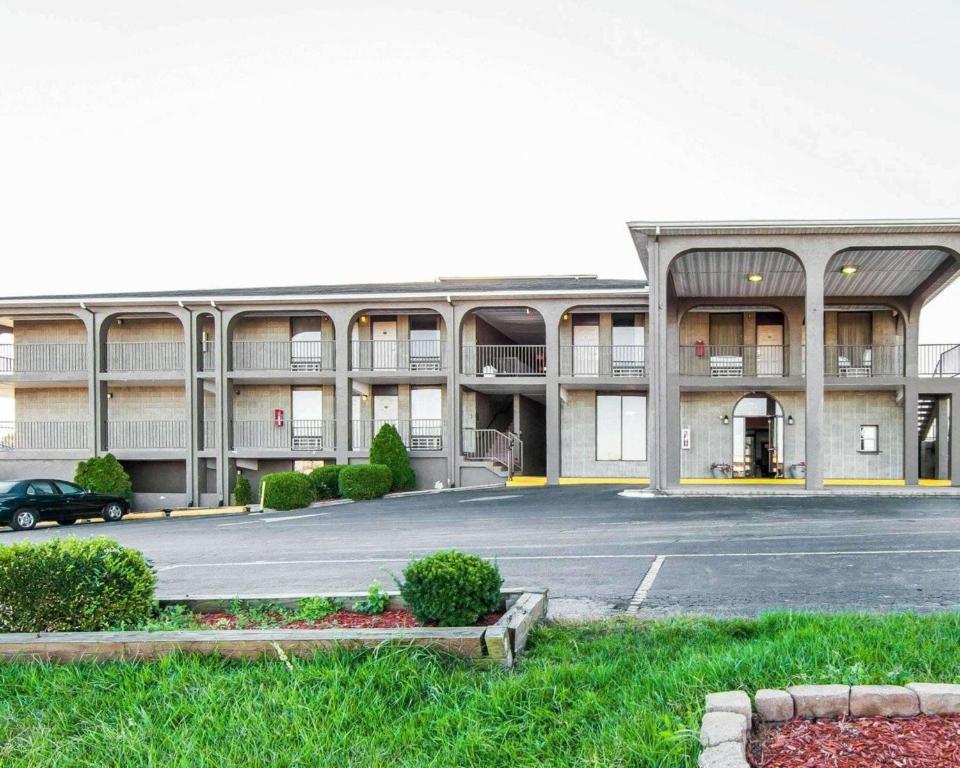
[24, 503]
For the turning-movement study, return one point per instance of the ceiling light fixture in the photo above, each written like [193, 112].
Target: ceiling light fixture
[849, 269]
[755, 277]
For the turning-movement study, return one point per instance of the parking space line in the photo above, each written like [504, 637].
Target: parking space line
[492, 498]
[644, 589]
[272, 519]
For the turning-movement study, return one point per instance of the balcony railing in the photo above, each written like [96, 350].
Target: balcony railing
[301, 356]
[42, 358]
[400, 355]
[939, 360]
[622, 360]
[43, 435]
[208, 356]
[130, 356]
[722, 361]
[857, 361]
[288, 435]
[493, 360]
[503, 448]
[146, 434]
[417, 434]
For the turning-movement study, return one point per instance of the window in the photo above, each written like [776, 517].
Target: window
[869, 438]
[621, 428]
[69, 489]
[41, 488]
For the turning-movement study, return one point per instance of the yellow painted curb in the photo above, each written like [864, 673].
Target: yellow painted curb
[604, 481]
[520, 482]
[935, 483]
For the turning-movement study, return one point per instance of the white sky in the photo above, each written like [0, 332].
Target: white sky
[151, 145]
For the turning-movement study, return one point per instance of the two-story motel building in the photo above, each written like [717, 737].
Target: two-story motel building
[760, 354]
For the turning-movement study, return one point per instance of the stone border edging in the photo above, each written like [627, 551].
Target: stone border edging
[728, 715]
[497, 644]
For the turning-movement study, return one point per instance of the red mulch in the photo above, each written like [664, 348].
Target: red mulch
[389, 619]
[917, 742]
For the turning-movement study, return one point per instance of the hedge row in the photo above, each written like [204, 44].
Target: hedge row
[365, 481]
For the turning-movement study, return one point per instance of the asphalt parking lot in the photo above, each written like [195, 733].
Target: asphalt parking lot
[596, 551]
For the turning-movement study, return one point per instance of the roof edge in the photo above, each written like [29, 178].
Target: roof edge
[795, 226]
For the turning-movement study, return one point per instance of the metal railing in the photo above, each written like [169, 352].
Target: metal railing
[43, 435]
[144, 356]
[42, 358]
[720, 361]
[620, 360]
[208, 355]
[939, 360]
[288, 435]
[284, 355]
[208, 435]
[492, 360]
[417, 434]
[147, 434]
[847, 361]
[503, 448]
[400, 355]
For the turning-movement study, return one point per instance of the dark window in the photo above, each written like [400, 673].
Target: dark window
[69, 489]
[42, 487]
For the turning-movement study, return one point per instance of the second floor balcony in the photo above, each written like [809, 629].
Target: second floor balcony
[26, 359]
[939, 360]
[147, 435]
[144, 356]
[724, 361]
[858, 361]
[284, 355]
[619, 361]
[400, 355]
[495, 360]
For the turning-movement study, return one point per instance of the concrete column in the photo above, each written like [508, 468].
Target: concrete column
[93, 388]
[955, 438]
[451, 442]
[813, 311]
[658, 358]
[943, 438]
[341, 322]
[223, 332]
[911, 436]
[98, 363]
[670, 417]
[911, 348]
[190, 400]
[551, 319]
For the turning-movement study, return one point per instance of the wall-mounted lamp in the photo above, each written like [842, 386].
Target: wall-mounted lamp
[725, 419]
[363, 318]
[364, 398]
[566, 316]
[790, 420]
[119, 321]
[849, 269]
[236, 392]
[755, 277]
[109, 395]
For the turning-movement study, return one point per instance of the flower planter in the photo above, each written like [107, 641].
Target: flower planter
[798, 471]
[497, 644]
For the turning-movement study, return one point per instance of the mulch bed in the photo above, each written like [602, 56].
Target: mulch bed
[917, 742]
[389, 619]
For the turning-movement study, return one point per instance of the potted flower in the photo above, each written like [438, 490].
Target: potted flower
[798, 471]
[721, 470]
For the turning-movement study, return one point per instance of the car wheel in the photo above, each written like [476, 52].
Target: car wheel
[23, 520]
[112, 512]
[68, 521]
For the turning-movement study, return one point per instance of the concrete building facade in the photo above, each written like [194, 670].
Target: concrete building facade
[759, 353]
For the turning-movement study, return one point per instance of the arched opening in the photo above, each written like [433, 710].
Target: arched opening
[302, 342]
[503, 341]
[758, 445]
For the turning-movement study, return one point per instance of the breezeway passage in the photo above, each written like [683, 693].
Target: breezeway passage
[591, 547]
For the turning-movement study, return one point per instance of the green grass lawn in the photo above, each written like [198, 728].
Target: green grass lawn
[609, 694]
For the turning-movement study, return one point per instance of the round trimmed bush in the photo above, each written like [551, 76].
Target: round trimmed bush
[326, 480]
[73, 585]
[388, 448]
[451, 589]
[287, 490]
[365, 481]
[104, 474]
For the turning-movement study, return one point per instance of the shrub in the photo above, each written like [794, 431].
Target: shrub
[375, 602]
[242, 493]
[387, 448]
[451, 589]
[104, 474]
[364, 481]
[326, 480]
[287, 490]
[73, 585]
[316, 608]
